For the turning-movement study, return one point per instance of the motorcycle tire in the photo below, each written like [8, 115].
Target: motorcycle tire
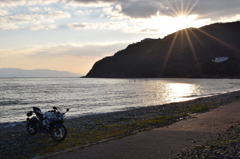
[59, 132]
[31, 128]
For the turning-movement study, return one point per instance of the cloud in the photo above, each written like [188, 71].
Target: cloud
[83, 26]
[6, 26]
[94, 3]
[15, 3]
[76, 50]
[60, 50]
[40, 27]
[34, 9]
[214, 9]
[141, 30]
[114, 12]
[12, 22]
[3, 12]
[141, 9]
[106, 25]
[79, 12]
[37, 18]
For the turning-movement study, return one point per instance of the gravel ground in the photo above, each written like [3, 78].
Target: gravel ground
[225, 145]
[14, 141]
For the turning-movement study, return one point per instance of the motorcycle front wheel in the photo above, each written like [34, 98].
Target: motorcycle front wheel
[59, 132]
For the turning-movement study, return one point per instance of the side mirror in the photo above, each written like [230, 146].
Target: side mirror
[68, 109]
[55, 108]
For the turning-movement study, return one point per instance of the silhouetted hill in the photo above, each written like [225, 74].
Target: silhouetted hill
[14, 72]
[212, 51]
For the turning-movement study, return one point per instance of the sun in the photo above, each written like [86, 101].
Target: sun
[179, 16]
[187, 21]
[182, 15]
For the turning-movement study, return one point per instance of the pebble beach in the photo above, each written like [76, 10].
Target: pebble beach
[15, 141]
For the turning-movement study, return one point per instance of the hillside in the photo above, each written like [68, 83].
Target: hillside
[14, 72]
[212, 51]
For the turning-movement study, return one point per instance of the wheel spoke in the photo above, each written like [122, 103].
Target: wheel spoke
[59, 133]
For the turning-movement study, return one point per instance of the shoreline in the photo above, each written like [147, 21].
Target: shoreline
[19, 123]
[91, 129]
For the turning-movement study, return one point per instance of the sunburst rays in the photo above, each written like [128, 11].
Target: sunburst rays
[181, 10]
[184, 8]
[218, 40]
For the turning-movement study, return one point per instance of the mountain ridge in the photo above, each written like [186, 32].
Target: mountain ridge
[190, 52]
[16, 72]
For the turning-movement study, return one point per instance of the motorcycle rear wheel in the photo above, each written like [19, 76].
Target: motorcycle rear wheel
[31, 128]
[59, 132]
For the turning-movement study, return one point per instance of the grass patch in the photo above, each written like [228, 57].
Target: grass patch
[124, 119]
[199, 108]
[157, 121]
[98, 122]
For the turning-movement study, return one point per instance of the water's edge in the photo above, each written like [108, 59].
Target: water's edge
[229, 95]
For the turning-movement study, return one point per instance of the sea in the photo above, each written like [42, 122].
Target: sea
[89, 96]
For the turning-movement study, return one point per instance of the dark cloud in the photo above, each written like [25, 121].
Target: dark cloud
[140, 9]
[213, 9]
[217, 9]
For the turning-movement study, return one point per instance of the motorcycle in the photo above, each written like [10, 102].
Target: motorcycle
[50, 122]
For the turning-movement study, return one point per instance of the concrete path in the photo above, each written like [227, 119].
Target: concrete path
[164, 142]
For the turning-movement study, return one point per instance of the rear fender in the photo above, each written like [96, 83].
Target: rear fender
[34, 121]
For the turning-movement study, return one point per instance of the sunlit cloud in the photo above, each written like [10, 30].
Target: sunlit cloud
[78, 50]
[3, 12]
[58, 50]
[107, 25]
[7, 26]
[140, 30]
[84, 3]
[227, 19]
[79, 12]
[12, 22]
[40, 27]
[34, 9]
[14, 3]
[114, 12]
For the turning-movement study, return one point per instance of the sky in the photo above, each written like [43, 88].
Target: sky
[71, 35]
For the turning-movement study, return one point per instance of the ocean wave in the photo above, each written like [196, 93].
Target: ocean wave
[19, 102]
[13, 102]
[11, 124]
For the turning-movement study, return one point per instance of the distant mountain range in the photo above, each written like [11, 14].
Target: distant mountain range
[211, 51]
[14, 72]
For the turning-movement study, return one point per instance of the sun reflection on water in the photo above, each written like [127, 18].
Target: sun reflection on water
[180, 91]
